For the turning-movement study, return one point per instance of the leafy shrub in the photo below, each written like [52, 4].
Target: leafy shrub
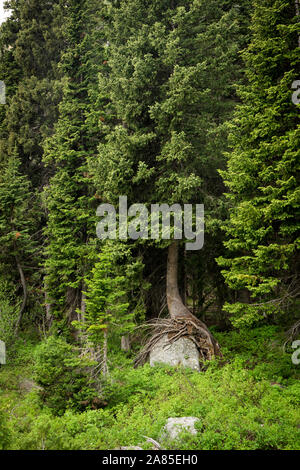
[261, 350]
[236, 400]
[235, 412]
[8, 312]
[4, 432]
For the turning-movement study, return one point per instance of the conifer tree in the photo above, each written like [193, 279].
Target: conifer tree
[263, 171]
[10, 71]
[69, 197]
[166, 90]
[18, 220]
[32, 40]
[110, 311]
[30, 44]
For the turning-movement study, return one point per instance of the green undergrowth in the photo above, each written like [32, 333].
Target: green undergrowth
[247, 400]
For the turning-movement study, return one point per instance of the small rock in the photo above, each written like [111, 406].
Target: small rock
[27, 385]
[275, 384]
[175, 426]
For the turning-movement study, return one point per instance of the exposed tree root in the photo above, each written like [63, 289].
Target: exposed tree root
[292, 333]
[191, 328]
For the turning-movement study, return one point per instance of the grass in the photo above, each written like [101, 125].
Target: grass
[248, 400]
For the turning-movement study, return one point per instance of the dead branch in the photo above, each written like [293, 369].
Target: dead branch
[292, 333]
[156, 444]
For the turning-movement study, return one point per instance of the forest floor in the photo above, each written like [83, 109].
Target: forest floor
[247, 400]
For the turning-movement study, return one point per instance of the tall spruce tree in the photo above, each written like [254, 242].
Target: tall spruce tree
[30, 43]
[34, 47]
[263, 171]
[70, 196]
[165, 91]
[18, 221]
[10, 71]
[111, 309]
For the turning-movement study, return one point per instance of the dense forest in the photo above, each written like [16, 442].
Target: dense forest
[152, 103]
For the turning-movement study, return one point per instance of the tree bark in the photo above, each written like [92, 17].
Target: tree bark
[23, 282]
[105, 353]
[81, 317]
[49, 317]
[125, 343]
[176, 307]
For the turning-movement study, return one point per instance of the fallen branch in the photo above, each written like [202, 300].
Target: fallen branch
[155, 443]
[292, 333]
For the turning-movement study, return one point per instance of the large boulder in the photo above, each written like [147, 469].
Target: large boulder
[181, 352]
[175, 426]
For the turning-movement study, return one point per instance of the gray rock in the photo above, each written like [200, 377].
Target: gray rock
[182, 352]
[175, 426]
[28, 385]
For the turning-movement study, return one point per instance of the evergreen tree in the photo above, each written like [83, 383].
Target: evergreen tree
[69, 198]
[32, 41]
[30, 45]
[110, 312]
[263, 171]
[10, 71]
[165, 91]
[18, 221]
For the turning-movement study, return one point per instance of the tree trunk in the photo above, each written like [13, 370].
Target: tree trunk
[49, 317]
[105, 358]
[81, 316]
[80, 335]
[125, 343]
[23, 282]
[177, 309]
[175, 304]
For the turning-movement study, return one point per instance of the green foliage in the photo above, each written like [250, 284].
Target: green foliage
[30, 45]
[16, 214]
[8, 312]
[261, 351]
[166, 87]
[62, 374]
[4, 432]
[110, 292]
[263, 231]
[239, 401]
[69, 199]
[137, 98]
[19, 218]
